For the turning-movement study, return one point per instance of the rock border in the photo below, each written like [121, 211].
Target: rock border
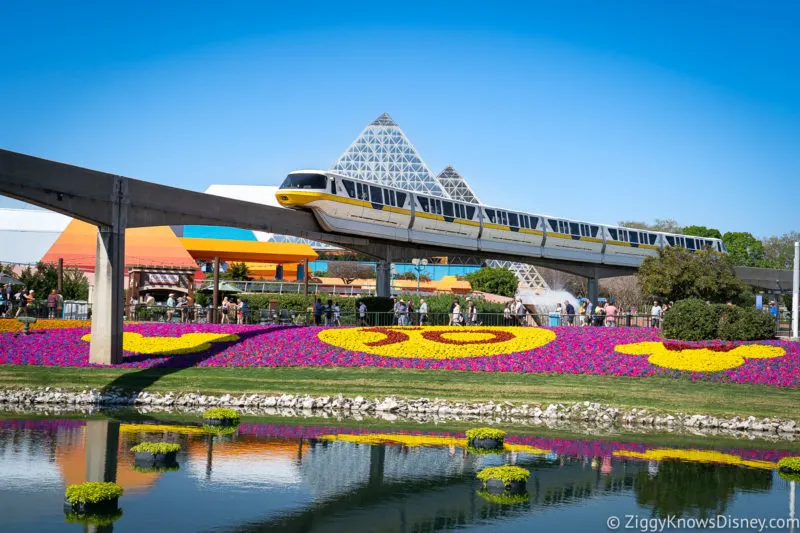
[390, 408]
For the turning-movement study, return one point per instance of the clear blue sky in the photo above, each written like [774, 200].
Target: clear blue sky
[596, 110]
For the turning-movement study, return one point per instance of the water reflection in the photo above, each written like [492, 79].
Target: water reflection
[292, 478]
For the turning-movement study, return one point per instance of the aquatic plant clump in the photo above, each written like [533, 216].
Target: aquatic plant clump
[156, 448]
[486, 433]
[790, 464]
[156, 469]
[93, 492]
[504, 498]
[507, 474]
[220, 430]
[93, 519]
[221, 413]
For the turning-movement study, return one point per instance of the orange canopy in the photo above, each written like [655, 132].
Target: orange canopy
[154, 246]
[232, 251]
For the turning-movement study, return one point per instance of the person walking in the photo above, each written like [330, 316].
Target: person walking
[611, 314]
[507, 320]
[318, 310]
[520, 312]
[473, 314]
[423, 312]
[401, 313]
[226, 308]
[589, 320]
[600, 315]
[329, 313]
[244, 311]
[362, 314]
[3, 304]
[655, 315]
[569, 310]
[9, 298]
[52, 302]
[456, 313]
[337, 312]
[582, 313]
[25, 300]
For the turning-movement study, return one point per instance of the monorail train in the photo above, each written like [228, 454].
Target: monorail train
[346, 205]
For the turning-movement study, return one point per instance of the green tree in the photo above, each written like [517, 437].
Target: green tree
[667, 225]
[74, 285]
[677, 274]
[744, 249]
[702, 231]
[350, 271]
[779, 251]
[494, 280]
[236, 272]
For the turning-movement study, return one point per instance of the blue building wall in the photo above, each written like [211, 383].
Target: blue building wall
[435, 272]
[217, 232]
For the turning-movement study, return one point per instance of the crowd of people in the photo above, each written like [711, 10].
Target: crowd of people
[231, 310]
[17, 301]
[608, 314]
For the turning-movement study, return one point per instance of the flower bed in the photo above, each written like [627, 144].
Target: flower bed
[634, 352]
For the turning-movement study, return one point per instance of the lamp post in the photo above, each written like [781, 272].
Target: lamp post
[419, 266]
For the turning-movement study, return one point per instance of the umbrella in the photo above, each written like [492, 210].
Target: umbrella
[6, 279]
[223, 287]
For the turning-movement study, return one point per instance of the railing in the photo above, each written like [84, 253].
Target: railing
[70, 310]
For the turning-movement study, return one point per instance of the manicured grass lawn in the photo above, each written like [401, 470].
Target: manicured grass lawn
[662, 394]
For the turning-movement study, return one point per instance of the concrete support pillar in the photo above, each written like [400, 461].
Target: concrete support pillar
[592, 289]
[796, 292]
[383, 282]
[102, 445]
[107, 306]
[377, 461]
[215, 294]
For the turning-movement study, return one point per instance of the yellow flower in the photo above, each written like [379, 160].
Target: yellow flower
[423, 440]
[158, 428]
[8, 325]
[700, 359]
[437, 342]
[697, 456]
[187, 343]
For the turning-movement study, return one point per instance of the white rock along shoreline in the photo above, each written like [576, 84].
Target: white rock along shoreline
[586, 414]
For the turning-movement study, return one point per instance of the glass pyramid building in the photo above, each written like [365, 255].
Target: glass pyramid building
[455, 186]
[383, 154]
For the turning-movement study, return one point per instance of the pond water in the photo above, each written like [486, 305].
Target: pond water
[338, 476]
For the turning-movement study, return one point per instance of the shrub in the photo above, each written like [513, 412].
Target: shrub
[297, 302]
[221, 413]
[93, 492]
[694, 320]
[790, 464]
[156, 447]
[486, 433]
[746, 324]
[506, 474]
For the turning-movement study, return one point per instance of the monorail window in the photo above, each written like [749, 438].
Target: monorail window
[634, 237]
[363, 193]
[503, 217]
[594, 230]
[447, 209]
[574, 229]
[613, 233]
[553, 224]
[523, 221]
[534, 222]
[436, 206]
[333, 186]
[305, 181]
[690, 244]
[513, 220]
[423, 203]
[670, 240]
[470, 212]
[350, 187]
[491, 214]
[376, 194]
[401, 199]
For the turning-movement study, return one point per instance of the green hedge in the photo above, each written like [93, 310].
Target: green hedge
[297, 302]
[221, 413]
[695, 320]
[93, 492]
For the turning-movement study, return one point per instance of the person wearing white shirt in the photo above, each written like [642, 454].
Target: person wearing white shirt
[655, 315]
[423, 312]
